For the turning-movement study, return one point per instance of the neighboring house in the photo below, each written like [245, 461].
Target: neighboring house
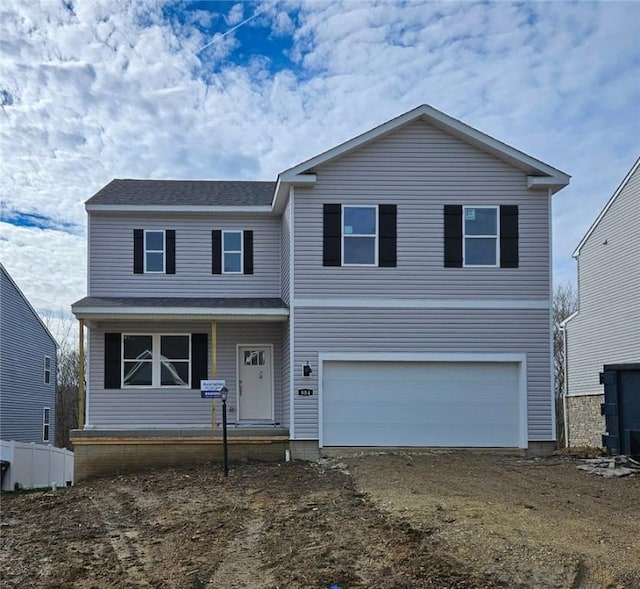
[606, 327]
[392, 291]
[27, 369]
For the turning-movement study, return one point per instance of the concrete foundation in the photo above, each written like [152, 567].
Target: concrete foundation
[540, 449]
[305, 450]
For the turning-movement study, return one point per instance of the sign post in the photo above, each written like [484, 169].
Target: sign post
[216, 389]
[223, 394]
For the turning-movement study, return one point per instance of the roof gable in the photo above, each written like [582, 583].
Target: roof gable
[541, 175]
[12, 282]
[635, 168]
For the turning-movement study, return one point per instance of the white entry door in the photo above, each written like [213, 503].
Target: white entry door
[255, 383]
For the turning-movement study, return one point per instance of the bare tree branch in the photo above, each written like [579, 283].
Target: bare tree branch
[565, 303]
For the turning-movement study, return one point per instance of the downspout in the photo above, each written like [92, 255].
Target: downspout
[81, 398]
[554, 428]
[565, 388]
[292, 371]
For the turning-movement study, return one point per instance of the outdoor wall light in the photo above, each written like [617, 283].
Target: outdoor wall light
[306, 370]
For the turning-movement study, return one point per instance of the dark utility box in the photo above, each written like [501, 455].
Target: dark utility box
[621, 408]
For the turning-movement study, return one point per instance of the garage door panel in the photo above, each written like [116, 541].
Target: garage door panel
[421, 404]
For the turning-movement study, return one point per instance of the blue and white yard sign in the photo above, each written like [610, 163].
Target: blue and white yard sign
[211, 389]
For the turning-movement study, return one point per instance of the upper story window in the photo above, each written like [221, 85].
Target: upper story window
[47, 370]
[156, 360]
[232, 252]
[481, 236]
[154, 251]
[360, 236]
[481, 240]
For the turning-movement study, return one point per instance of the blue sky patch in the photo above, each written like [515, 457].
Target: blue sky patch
[256, 40]
[35, 220]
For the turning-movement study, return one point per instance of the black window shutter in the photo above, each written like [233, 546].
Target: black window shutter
[453, 236]
[247, 248]
[388, 237]
[509, 236]
[138, 251]
[112, 360]
[199, 356]
[332, 235]
[216, 252]
[170, 237]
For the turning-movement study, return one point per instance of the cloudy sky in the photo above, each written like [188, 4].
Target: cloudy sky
[95, 90]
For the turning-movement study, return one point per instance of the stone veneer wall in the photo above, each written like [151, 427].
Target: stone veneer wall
[586, 425]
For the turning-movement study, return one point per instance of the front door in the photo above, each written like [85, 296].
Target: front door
[255, 390]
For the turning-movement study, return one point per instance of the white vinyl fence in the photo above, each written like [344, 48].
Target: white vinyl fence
[35, 465]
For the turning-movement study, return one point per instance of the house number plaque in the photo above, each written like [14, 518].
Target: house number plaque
[305, 392]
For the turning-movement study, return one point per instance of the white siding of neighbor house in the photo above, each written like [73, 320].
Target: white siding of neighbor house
[606, 329]
[420, 169]
[410, 331]
[24, 342]
[111, 256]
[164, 407]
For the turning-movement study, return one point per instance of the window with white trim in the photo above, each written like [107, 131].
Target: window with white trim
[46, 423]
[158, 360]
[359, 235]
[154, 251]
[481, 239]
[47, 370]
[232, 252]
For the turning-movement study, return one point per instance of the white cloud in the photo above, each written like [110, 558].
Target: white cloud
[114, 89]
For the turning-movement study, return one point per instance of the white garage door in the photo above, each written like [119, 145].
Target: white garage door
[421, 404]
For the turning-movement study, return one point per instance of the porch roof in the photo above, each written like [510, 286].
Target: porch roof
[256, 309]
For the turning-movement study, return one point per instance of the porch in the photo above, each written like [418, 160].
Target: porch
[146, 358]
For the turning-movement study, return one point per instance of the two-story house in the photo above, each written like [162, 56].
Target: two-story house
[27, 369]
[392, 291]
[606, 328]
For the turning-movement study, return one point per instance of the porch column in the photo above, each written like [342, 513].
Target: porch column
[214, 349]
[81, 374]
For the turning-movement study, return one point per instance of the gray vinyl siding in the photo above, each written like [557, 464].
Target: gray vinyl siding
[285, 252]
[606, 329]
[128, 408]
[420, 169]
[24, 343]
[111, 256]
[434, 331]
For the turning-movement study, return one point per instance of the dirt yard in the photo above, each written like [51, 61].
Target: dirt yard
[407, 520]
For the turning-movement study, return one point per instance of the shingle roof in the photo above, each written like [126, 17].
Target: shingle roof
[181, 302]
[185, 192]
